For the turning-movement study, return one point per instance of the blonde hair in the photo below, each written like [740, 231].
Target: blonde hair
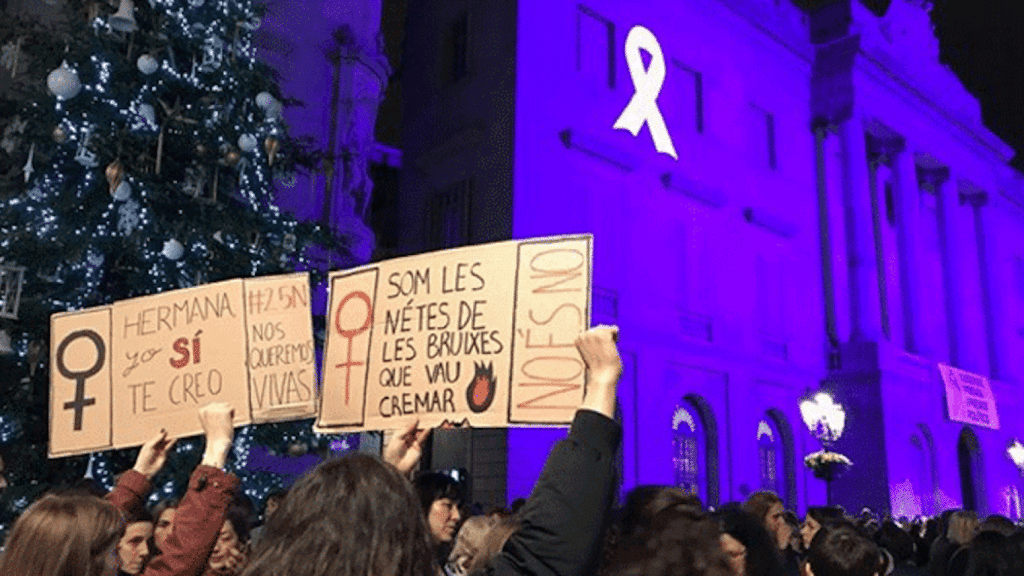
[62, 535]
[962, 525]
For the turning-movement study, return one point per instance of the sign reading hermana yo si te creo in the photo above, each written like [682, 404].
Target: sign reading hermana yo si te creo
[121, 373]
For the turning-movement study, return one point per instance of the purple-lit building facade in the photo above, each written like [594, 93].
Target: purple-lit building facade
[838, 217]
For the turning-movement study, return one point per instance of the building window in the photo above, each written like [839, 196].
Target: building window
[685, 93]
[457, 48]
[768, 455]
[595, 46]
[687, 437]
[449, 217]
[762, 137]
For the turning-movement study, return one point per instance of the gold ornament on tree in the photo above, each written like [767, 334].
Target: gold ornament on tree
[271, 145]
[115, 175]
[231, 156]
[60, 135]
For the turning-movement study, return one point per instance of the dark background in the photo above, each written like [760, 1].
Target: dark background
[982, 41]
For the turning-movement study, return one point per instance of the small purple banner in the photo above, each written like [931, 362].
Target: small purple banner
[969, 397]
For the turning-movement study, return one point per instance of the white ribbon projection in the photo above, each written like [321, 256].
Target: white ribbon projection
[643, 107]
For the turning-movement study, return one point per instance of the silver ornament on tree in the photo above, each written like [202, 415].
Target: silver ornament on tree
[196, 3]
[147, 64]
[173, 250]
[124, 19]
[247, 142]
[122, 192]
[264, 99]
[147, 113]
[63, 82]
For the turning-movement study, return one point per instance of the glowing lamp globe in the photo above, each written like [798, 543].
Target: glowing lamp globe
[823, 417]
[1016, 453]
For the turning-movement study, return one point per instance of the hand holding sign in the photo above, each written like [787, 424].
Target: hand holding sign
[153, 455]
[406, 447]
[218, 424]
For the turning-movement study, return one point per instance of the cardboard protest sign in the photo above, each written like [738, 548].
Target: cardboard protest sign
[281, 356]
[80, 404]
[481, 335]
[168, 354]
[969, 397]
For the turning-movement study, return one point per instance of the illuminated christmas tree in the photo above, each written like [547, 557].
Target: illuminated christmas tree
[143, 147]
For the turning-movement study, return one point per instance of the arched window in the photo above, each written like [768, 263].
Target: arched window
[688, 449]
[971, 471]
[770, 457]
[777, 456]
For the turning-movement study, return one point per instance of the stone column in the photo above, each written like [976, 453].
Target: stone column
[908, 230]
[961, 279]
[970, 319]
[865, 311]
[934, 341]
[993, 292]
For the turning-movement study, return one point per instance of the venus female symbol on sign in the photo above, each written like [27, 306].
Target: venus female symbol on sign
[643, 106]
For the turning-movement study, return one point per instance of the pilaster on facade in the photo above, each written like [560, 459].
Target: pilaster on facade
[935, 341]
[865, 309]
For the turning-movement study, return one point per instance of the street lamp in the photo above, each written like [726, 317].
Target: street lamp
[825, 420]
[1016, 453]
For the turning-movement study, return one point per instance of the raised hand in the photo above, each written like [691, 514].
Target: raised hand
[218, 424]
[153, 455]
[406, 447]
[604, 366]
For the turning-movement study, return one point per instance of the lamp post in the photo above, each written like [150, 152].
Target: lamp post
[825, 420]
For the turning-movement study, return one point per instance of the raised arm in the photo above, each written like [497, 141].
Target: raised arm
[201, 512]
[563, 520]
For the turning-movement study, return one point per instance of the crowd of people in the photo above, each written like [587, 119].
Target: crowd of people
[362, 515]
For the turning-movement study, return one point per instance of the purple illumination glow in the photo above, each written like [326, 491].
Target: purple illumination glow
[853, 258]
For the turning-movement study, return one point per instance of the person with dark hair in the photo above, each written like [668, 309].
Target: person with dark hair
[270, 505]
[440, 496]
[899, 545]
[231, 549]
[818, 516]
[767, 507]
[759, 557]
[133, 547]
[984, 556]
[644, 502]
[76, 534]
[357, 515]
[163, 522]
[842, 551]
[678, 542]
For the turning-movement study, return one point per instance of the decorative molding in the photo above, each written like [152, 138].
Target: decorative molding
[694, 189]
[773, 346]
[771, 222]
[576, 139]
[696, 326]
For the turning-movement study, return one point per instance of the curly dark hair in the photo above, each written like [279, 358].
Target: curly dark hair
[679, 542]
[350, 516]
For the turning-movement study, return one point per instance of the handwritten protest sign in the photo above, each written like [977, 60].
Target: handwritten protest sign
[482, 335]
[282, 357]
[120, 373]
[969, 397]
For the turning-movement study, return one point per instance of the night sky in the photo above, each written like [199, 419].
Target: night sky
[983, 42]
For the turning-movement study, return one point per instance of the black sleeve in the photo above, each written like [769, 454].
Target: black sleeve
[563, 520]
